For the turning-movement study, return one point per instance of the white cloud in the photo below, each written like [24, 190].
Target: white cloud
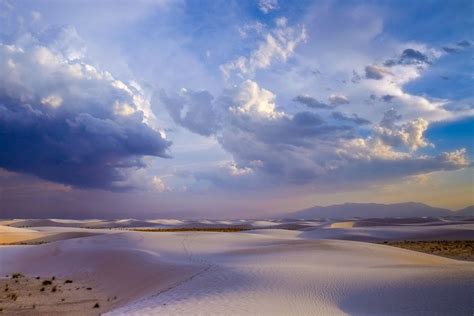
[123, 108]
[159, 184]
[306, 148]
[278, 44]
[267, 5]
[458, 157]
[234, 170]
[249, 98]
[53, 100]
[409, 134]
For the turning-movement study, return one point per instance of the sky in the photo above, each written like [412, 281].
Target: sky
[227, 109]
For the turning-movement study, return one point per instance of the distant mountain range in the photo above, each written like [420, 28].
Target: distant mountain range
[467, 211]
[374, 210]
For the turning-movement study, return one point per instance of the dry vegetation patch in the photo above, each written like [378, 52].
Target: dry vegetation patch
[24, 295]
[455, 249]
[194, 229]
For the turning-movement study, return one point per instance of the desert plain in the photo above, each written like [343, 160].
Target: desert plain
[421, 266]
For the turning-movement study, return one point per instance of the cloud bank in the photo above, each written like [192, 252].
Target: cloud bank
[272, 147]
[64, 120]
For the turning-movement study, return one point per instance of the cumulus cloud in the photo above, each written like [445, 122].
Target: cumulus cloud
[64, 120]
[249, 98]
[276, 45]
[159, 184]
[409, 134]
[271, 147]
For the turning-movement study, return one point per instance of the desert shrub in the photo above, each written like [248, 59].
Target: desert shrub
[193, 229]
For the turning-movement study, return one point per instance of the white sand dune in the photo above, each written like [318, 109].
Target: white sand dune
[400, 232]
[15, 235]
[347, 224]
[263, 223]
[10, 229]
[284, 276]
[260, 272]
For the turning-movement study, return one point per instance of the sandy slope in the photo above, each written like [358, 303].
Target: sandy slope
[347, 224]
[264, 272]
[276, 275]
[14, 235]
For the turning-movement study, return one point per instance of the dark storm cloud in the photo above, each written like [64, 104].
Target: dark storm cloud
[312, 102]
[74, 148]
[63, 120]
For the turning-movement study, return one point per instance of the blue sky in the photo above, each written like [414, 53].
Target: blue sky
[233, 108]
